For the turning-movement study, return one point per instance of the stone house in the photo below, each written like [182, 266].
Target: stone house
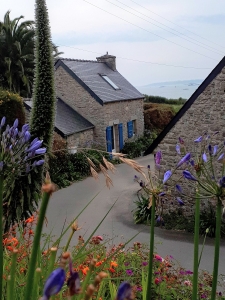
[96, 91]
[203, 112]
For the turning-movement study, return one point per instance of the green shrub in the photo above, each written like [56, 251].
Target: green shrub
[66, 168]
[11, 107]
[142, 214]
[159, 99]
[137, 146]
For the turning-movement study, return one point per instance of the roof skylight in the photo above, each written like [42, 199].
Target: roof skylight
[106, 78]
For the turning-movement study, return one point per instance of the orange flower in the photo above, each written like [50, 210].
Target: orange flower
[113, 264]
[112, 270]
[85, 270]
[30, 220]
[99, 263]
[10, 248]
[31, 232]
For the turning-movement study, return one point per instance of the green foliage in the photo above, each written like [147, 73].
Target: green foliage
[17, 55]
[142, 214]
[137, 146]
[11, 107]
[159, 99]
[65, 168]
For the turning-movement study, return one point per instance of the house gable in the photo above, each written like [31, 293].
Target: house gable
[207, 90]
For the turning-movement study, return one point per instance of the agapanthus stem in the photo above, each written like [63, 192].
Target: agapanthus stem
[12, 275]
[1, 234]
[196, 246]
[217, 248]
[69, 240]
[36, 245]
[151, 250]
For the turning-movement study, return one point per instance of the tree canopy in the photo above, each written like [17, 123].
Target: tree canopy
[17, 42]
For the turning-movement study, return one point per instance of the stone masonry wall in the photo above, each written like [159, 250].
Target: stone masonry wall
[101, 116]
[80, 139]
[207, 114]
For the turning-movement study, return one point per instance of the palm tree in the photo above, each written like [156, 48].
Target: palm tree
[17, 55]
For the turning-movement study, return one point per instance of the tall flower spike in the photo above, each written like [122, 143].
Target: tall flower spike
[54, 283]
[125, 292]
[189, 176]
[184, 159]
[167, 175]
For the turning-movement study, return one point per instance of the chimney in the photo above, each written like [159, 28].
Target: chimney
[110, 60]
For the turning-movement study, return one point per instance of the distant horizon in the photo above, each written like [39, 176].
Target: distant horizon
[172, 82]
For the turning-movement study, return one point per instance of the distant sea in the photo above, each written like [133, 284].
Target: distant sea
[171, 89]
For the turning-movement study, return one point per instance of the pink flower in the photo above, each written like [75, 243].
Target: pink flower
[187, 282]
[158, 257]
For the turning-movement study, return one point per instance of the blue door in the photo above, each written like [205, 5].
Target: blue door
[109, 138]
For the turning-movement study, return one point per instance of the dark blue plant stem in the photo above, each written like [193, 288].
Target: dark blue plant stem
[151, 250]
[196, 246]
[217, 248]
[36, 245]
[1, 234]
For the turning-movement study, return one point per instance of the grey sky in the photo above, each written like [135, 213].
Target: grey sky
[77, 24]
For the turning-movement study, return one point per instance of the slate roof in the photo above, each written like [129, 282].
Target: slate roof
[88, 74]
[186, 106]
[68, 121]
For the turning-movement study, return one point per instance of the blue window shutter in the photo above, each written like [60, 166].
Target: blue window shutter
[109, 138]
[120, 128]
[130, 129]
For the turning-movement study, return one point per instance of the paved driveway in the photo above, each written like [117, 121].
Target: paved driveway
[67, 203]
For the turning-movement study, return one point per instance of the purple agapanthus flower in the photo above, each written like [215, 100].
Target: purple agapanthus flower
[3, 121]
[180, 201]
[181, 141]
[204, 157]
[221, 156]
[178, 149]
[54, 283]
[184, 159]
[215, 149]
[73, 282]
[162, 194]
[210, 150]
[158, 157]
[198, 140]
[222, 182]
[167, 175]
[124, 291]
[144, 263]
[178, 187]
[189, 176]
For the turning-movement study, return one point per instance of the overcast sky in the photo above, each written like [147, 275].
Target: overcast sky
[131, 33]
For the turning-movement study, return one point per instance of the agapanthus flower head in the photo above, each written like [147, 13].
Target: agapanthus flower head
[198, 140]
[158, 157]
[180, 201]
[54, 283]
[34, 146]
[167, 175]
[15, 124]
[124, 291]
[188, 175]
[192, 162]
[184, 159]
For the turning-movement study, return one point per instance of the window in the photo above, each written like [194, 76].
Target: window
[106, 78]
[130, 129]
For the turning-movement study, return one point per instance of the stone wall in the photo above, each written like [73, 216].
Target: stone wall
[80, 139]
[70, 91]
[205, 115]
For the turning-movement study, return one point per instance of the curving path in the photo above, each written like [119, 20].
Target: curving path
[67, 203]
